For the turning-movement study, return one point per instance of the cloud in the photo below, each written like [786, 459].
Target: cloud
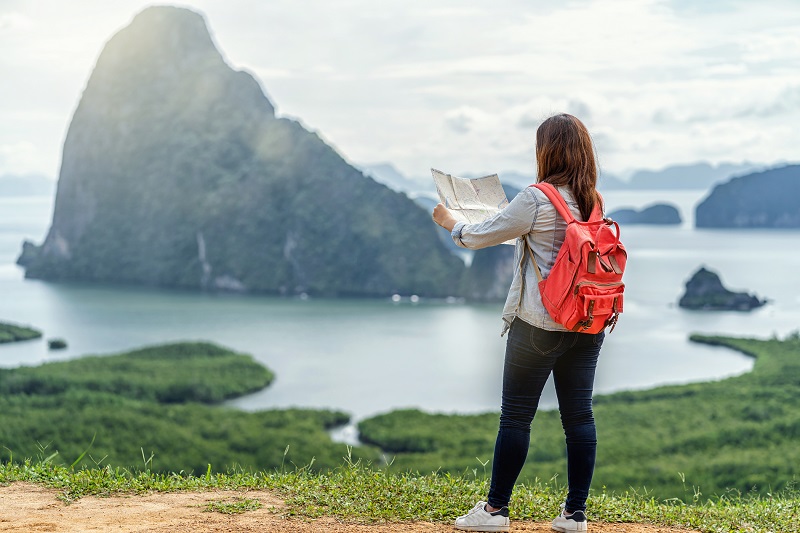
[604, 142]
[459, 123]
[539, 109]
[754, 103]
[786, 103]
[14, 22]
[656, 81]
[19, 158]
[529, 122]
[580, 109]
[463, 119]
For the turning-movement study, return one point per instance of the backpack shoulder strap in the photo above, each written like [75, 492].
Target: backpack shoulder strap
[597, 212]
[561, 205]
[558, 201]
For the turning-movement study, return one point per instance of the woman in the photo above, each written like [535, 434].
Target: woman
[536, 344]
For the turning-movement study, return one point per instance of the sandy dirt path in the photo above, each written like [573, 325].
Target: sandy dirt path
[25, 507]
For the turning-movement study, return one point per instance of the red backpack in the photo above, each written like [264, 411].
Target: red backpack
[583, 291]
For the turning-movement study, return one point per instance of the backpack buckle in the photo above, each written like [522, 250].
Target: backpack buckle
[612, 320]
[586, 324]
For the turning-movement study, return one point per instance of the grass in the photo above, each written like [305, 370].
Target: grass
[356, 492]
[234, 506]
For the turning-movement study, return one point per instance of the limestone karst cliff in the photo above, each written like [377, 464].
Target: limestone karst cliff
[177, 173]
[656, 214]
[768, 199]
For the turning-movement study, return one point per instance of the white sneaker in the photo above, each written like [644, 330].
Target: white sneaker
[479, 519]
[570, 522]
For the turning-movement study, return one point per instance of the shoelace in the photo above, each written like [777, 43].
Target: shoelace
[480, 506]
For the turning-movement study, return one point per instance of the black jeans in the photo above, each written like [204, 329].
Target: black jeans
[531, 354]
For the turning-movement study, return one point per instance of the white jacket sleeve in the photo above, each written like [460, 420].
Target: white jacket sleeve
[516, 220]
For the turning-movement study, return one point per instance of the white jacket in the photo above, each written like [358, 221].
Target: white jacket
[530, 215]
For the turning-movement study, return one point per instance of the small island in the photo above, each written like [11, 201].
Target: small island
[57, 344]
[14, 333]
[704, 291]
[657, 214]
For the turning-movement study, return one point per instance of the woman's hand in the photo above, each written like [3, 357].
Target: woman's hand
[443, 217]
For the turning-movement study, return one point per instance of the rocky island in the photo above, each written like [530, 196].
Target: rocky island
[176, 172]
[657, 214]
[704, 291]
[768, 199]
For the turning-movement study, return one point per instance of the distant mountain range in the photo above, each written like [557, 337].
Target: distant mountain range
[388, 175]
[695, 176]
[690, 176]
[685, 176]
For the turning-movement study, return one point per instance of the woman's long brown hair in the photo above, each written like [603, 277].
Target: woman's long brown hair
[565, 156]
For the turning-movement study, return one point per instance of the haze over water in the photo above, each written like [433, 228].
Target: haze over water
[371, 356]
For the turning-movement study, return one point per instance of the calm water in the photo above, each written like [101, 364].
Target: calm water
[367, 357]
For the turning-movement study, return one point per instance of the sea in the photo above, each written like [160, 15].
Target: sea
[366, 357]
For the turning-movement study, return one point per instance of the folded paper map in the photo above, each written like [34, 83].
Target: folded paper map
[470, 200]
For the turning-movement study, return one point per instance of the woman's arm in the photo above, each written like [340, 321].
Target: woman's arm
[515, 220]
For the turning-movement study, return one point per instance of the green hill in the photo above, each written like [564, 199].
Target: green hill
[153, 408]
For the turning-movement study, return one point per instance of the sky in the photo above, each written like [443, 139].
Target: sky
[455, 85]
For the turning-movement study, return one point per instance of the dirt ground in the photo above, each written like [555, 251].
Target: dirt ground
[25, 507]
